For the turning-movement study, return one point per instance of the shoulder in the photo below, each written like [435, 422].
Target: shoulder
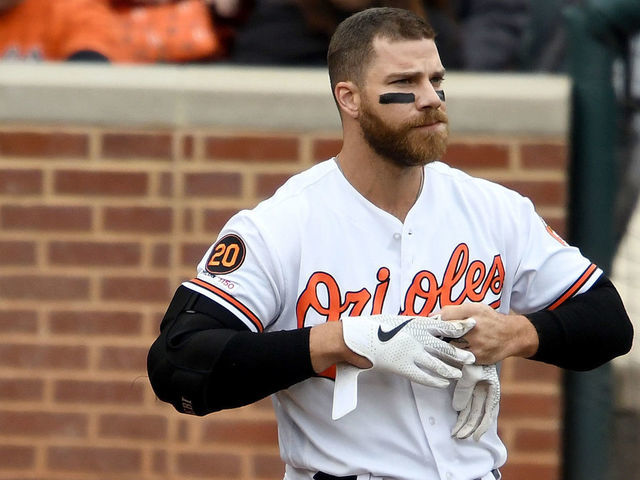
[489, 201]
[301, 189]
[442, 174]
[297, 198]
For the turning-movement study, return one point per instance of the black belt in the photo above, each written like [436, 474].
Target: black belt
[326, 476]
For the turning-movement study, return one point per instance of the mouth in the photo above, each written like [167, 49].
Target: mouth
[436, 125]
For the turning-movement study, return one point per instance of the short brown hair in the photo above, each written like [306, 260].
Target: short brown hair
[351, 47]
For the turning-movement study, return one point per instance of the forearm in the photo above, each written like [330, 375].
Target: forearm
[205, 359]
[255, 365]
[215, 369]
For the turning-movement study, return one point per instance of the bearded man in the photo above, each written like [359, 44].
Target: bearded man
[373, 295]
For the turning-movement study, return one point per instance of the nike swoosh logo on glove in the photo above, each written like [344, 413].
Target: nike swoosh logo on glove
[386, 336]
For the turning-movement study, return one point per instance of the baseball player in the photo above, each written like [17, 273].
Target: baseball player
[373, 295]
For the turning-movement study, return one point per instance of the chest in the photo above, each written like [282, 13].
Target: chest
[413, 268]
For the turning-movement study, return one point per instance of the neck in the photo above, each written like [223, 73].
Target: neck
[391, 188]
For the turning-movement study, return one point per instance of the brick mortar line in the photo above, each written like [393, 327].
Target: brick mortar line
[244, 166]
[81, 374]
[497, 174]
[514, 155]
[90, 341]
[43, 128]
[235, 449]
[154, 180]
[549, 423]
[548, 459]
[82, 165]
[92, 202]
[504, 139]
[559, 210]
[178, 206]
[519, 387]
[199, 150]
[111, 236]
[95, 144]
[47, 184]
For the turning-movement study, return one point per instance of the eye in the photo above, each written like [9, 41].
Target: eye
[401, 81]
[437, 81]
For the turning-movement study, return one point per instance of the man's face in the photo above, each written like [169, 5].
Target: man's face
[406, 134]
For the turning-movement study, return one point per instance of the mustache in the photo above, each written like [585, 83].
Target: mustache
[429, 117]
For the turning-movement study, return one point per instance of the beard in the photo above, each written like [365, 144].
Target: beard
[405, 146]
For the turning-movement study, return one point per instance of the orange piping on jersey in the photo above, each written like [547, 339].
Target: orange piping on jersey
[250, 315]
[575, 287]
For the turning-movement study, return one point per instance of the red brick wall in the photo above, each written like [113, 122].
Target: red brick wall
[98, 227]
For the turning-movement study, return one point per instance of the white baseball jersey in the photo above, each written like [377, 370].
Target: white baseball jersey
[318, 250]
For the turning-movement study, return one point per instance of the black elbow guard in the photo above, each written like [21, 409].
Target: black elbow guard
[182, 358]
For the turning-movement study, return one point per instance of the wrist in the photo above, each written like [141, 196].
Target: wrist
[327, 347]
[526, 337]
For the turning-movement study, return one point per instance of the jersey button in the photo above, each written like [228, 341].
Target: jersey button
[432, 421]
[397, 236]
[449, 476]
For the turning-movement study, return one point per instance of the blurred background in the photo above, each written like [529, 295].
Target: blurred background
[131, 130]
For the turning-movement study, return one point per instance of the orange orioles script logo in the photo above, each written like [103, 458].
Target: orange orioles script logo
[422, 297]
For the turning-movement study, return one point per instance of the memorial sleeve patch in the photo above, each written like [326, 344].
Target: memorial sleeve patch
[227, 255]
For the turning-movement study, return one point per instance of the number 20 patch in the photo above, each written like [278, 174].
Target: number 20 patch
[227, 255]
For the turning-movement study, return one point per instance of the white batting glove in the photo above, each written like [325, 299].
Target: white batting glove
[476, 398]
[403, 345]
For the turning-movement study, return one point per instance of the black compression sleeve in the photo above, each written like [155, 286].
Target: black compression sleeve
[585, 331]
[205, 359]
[255, 365]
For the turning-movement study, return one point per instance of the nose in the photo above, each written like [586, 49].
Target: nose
[428, 97]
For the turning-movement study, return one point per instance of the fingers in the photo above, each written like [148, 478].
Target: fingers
[491, 410]
[462, 394]
[463, 416]
[426, 378]
[450, 353]
[461, 312]
[486, 422]
[434, 365]
[475, 413]
[449, 329]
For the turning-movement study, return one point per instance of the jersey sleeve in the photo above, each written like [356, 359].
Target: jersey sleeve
[549, 271]
[240, 273]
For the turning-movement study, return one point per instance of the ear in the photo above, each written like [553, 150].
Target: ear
[348, 98]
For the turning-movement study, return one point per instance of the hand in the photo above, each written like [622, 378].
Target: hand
[476, 398]
[496, 336]
[406, 346]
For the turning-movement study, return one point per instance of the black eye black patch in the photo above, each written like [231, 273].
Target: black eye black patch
[386, 98]
[395, 97]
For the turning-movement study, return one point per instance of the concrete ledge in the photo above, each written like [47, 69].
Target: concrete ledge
[260, 98]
